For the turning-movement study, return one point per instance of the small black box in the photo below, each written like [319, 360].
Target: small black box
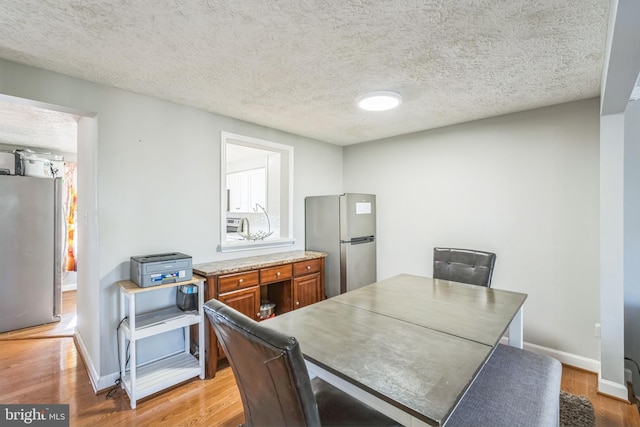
[187, 298]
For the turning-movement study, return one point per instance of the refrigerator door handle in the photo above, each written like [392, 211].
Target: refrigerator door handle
[58, 246]
[359, 240]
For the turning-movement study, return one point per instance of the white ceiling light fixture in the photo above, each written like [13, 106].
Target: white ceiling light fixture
[382, 100]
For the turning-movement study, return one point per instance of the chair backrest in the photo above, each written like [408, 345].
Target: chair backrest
[269, 368]
[463, 265]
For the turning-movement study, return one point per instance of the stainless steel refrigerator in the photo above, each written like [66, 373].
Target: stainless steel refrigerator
[345, 228]
[31, 250]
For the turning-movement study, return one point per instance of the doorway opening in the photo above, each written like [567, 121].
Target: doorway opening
[43, 142]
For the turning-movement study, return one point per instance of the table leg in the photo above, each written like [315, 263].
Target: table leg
[515, 330]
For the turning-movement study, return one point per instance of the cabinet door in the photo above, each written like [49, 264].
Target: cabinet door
[246, 301]
[306, 290]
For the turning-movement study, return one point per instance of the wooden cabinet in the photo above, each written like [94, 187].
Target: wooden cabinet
[308, 284]
[246, 301]
[290, 285]
[307, 290]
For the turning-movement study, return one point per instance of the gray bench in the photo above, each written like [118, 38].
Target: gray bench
[515, 388]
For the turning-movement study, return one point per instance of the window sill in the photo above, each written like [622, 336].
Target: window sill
[243, 245]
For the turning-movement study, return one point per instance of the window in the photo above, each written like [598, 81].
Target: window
[256, 193]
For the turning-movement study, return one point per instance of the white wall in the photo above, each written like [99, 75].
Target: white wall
[611, 379]
[523, 185]
[157, 183]
[88, 332]
[617, 187]
[632, 239]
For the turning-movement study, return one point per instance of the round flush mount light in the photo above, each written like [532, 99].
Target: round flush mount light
[380, 101]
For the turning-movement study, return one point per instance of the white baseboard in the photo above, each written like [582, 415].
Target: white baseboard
[612, 389]
[107, 381]
[571, 359]
[93, 373]
[69, 281]
[69, 287]
[574, 360]
[604, 386]
[97, 382]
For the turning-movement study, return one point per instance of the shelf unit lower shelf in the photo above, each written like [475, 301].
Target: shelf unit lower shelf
[158, 375]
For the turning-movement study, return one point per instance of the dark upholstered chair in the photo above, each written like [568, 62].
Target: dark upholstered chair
[463, 265]
[273, 380]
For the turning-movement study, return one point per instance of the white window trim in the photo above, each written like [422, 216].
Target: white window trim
[234, 246]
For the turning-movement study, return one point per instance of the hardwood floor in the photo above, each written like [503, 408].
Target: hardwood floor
[42, 371]
[609, 412]
[41, 365]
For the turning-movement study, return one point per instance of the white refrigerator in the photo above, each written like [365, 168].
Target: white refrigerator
[343, 226]
[31, 251]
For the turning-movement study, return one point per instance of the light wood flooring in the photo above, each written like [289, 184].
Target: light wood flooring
[41, 365]
[609, 412]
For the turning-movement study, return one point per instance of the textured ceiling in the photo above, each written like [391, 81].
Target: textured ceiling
[299, 65]
[46, 130]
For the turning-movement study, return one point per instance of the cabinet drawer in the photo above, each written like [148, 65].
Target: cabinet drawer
[231, 282]
[273, 274]
[306, 267]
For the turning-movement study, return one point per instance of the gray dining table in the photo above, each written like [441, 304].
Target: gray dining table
[409, 346]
